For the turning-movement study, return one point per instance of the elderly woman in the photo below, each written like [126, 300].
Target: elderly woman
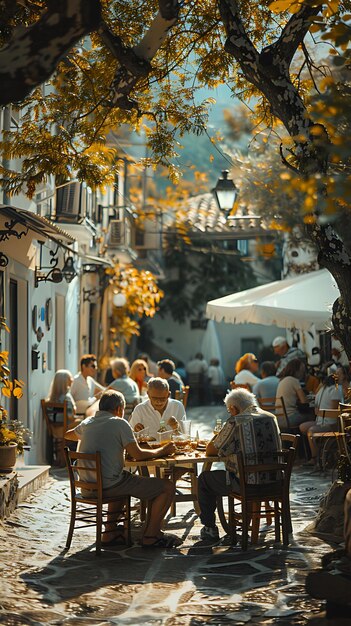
[247, 430]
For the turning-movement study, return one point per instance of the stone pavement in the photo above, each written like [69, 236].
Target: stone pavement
[192, 585]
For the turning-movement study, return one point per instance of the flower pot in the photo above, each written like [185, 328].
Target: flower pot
[8, 457]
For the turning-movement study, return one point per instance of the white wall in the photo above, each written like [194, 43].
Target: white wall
[186, 342]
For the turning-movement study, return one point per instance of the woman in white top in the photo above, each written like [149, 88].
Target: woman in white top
[246, 369]
[327, 397]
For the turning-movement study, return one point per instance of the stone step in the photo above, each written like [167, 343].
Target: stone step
[31, 478]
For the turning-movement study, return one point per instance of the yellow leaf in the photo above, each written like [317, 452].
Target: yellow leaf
[18, 393]
[6, 392]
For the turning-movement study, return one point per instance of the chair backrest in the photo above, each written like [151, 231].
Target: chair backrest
[291, 440]
[129, 408]
[268, 404]
[234, 385]
[281, 468]
[50, 410]
[79, 462]
[182, 395]
[344, 424]
[275, 405]
[329, 414]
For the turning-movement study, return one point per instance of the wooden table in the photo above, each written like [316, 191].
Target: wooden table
[181, 459]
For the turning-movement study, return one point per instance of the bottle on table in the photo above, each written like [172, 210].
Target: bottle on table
[162, 427]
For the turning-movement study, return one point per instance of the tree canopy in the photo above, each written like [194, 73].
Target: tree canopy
[142, 65]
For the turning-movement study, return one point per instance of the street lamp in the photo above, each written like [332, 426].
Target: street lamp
[119, 299]
[225, 193]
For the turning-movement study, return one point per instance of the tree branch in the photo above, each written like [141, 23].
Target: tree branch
[291, 37]
[32, 54]
[126, 78]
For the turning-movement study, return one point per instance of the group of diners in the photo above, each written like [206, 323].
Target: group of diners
[107, 432]
[304, 395]
[248, 429]
[82, 391]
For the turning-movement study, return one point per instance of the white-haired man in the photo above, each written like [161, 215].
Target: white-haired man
[282, 349]
[249, 429]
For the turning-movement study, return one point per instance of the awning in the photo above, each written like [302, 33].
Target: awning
[90, 260]
[40, 225]
[295, 302]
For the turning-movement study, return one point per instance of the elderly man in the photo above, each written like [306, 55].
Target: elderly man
[248, 429]
[158, 407]
[282, 349]
[84, 388]
[108, 433]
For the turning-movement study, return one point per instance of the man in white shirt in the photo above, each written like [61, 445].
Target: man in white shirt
[85, 390]
[158, 406]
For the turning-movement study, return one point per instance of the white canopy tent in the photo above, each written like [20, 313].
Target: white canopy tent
[297, 302]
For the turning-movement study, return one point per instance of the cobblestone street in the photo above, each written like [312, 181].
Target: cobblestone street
[192, 585]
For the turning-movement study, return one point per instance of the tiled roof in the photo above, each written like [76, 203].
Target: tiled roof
[205, 217]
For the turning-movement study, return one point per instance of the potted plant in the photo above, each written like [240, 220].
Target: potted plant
[13, 434]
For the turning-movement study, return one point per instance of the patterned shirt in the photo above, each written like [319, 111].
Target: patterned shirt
[256, 434]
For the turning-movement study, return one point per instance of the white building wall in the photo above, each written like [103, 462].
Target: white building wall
[185, 342]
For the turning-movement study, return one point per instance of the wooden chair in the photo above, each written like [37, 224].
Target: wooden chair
[276, 405]
[289, 441]
[129, 408]
[343, 436]
[88, 511]
[250, 497]
[55, 429]
[326, 442]
[183, 395]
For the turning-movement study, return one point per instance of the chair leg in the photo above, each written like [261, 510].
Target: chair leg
[98, 529]
[255, 524]
[231, 521]
[225, 522]
[277, 514]
[286, 521]
[127, 522]
[269, 518]
[71, 525]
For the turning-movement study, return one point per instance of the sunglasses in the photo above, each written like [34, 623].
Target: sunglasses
[93, 366]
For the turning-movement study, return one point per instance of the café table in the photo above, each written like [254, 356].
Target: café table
[189, 459]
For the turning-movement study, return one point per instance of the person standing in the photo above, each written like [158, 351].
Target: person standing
[249, 430]
[84, 388]
[108, 433]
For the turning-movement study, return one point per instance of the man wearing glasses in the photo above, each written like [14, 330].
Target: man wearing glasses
[159, 406]
[85, 389]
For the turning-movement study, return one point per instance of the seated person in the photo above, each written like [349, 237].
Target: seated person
[60, 391]
[122, 381]
[158, 407]
[246, 369]
[108, 433]
[247, 426]
[267, 387]
[85, 389]
[290, 390]
[327, 397]
[166, 369]
[286, 353]
[140, 374]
